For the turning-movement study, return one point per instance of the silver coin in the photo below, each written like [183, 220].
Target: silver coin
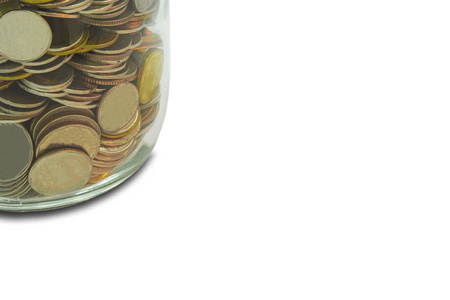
[24, 36]
[143, 5]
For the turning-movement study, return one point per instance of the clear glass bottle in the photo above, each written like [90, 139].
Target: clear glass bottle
[83, 94]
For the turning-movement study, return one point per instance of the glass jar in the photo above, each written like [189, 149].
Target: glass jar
[83, 93]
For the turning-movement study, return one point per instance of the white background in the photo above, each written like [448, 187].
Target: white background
[305, 155]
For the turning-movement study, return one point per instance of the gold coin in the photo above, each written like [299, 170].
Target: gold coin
[60, 171]
[24, 36]
[154, 100]
[79, 136]
[15, 76]
[8, 6]
[150, 74]
[16, 151]
[117, 107]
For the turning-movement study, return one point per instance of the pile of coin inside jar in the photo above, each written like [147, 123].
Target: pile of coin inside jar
[79, 87]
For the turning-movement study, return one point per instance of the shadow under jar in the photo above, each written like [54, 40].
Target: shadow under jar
[83, 94]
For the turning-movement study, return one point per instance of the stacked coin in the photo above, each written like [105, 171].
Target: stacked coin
[87, 74]
[16, 148]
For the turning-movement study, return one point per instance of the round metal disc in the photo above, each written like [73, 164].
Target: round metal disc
[24, 36]
[117, 107]
[60, 171]
[16, 151]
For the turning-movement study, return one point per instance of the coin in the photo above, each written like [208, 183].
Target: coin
[54, 65]
[119, 20]
[117, 107]
[142, 5]
[46, 59]
[107, 15]
[10, 67]
[74, 135]
[79, 87]
[154, 99]
[16, 151]
[52, 14]
[84, 98]
[75, 104]
[76, 6]
[55, 80]
[60, 171]
[128, 28]
[53, 111]
[14, 111]
[83, 64]
[100, 39]
[17, 97]
[66, 34]
[108, 57]
[122, 44]
[8, 6]
[35, 1]
[76, 115]
[15, 76]
[5, 84]
[149, 42]
[42, 94]
[150, 74]
[93, 9]
[24, 36]
[55, 4]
